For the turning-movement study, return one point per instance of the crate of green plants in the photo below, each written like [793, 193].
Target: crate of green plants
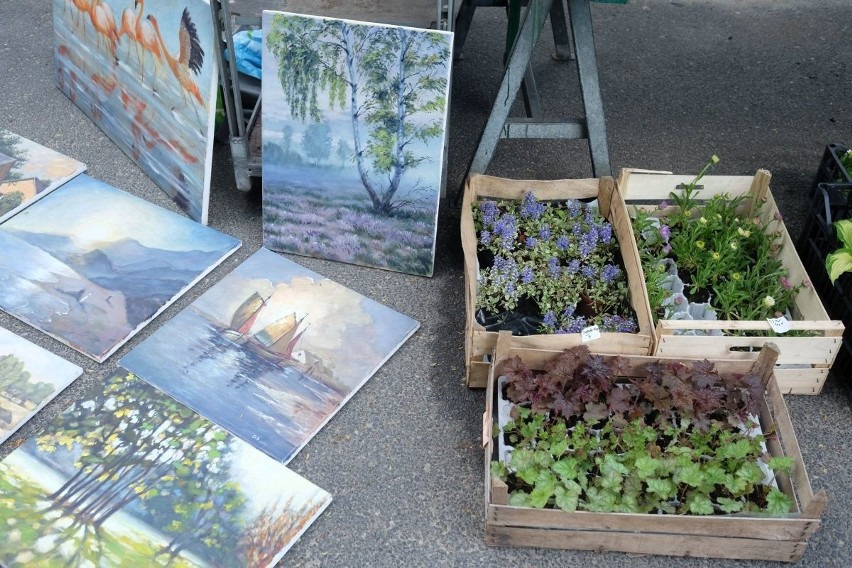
[644, 455]
[553, 262]
[723, 276]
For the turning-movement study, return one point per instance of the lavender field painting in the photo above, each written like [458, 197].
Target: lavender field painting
[127, 477]
[354, 122]
[30, 377]
[91, 265]
[29, 171]
[271, 352]
[145, 72]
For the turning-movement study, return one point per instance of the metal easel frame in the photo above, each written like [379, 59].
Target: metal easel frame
[517, 74]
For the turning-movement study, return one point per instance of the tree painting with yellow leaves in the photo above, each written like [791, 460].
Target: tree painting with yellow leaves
[130, 477]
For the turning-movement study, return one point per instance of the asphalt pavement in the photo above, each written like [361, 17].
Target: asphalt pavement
[762, 84]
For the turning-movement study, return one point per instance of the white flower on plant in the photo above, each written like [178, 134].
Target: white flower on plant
[702, 220]
[743, 232]
[769, 301]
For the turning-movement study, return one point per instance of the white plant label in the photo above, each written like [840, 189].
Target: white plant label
[779, 325]
[590, 333]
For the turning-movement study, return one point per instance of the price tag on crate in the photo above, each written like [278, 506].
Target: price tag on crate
[779, 325]
[590, 333]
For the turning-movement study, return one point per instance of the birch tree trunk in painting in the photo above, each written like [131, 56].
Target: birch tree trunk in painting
[395, 78]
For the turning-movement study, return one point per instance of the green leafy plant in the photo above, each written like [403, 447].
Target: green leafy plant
[840, 261]
[676, 440]
[716, 256]
[846, 161]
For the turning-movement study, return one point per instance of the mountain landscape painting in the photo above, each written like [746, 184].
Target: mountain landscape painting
[29, 171]
[271, 352]
[30, 377]
[91, 265]
[129, 477]
[354, 123]
[145, 72]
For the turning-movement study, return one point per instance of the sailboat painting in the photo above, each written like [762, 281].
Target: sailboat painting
[127, 477]
[271, 352]
[29, 171]
[145, 72]
[91, 265]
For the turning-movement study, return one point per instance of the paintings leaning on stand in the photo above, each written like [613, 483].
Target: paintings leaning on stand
[354, 123]
[129, 477]
[91, 265]
[271, 352]
[145, 73]
[29, 171]
[30, 377]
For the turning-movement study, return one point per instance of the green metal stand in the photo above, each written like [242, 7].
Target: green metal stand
[517, 74]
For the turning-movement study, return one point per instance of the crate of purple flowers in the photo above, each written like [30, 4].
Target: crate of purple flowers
[553, 262]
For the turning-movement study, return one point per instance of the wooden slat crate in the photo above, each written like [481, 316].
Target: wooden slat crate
[805, 361]
[479, 343]
[718, 536]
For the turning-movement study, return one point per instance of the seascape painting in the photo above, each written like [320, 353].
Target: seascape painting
[129, 477]
[145, 73]
[91, 265]
[354, 121]
[271, 352]
[30, 377]
[29, 171]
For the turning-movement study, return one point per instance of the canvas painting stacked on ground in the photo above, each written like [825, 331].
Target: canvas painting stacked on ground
[129, 477]
[144, 72]
[271, 352]
[354, 122]
[30, 377]
[29, 171]
[91, 265]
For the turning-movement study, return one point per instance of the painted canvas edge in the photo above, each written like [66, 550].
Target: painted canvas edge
[211, 133]
[450, 36]
[71, 366]
[327, 499]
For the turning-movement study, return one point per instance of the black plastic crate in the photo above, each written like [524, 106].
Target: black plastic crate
[831, 169]
[831, 202]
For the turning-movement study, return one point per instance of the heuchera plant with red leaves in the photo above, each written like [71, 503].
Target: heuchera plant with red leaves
[586, 435]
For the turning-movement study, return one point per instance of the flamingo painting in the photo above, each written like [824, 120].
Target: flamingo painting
[103, 21]
[190, 56]
[143, 72]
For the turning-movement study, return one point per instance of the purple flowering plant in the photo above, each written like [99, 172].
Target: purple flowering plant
[558, 259]
[723, 257]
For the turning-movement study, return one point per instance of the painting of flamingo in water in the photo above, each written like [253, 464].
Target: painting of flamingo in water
[145, 73]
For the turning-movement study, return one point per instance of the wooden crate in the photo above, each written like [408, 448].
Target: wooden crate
[718, 536]
[479, 343]
[805, 361]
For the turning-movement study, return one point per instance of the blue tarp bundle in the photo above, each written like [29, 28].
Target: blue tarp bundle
[248, 49]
